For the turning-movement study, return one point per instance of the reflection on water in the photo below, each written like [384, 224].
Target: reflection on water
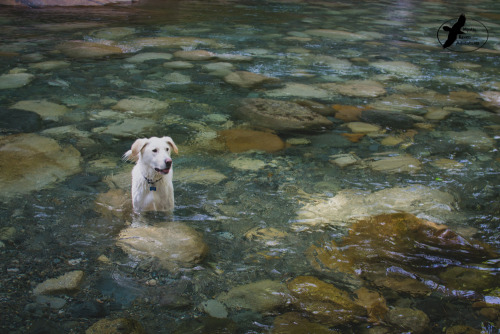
[337, 170]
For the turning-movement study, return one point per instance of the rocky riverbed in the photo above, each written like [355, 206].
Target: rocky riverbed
[337, 169]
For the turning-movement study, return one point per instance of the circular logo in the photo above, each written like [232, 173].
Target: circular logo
[462, 34]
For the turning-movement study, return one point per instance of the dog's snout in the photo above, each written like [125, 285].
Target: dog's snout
[168, 163]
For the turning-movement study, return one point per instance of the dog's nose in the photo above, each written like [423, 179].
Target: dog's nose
[168, 163]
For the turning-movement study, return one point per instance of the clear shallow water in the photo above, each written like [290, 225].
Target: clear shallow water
[59, 228]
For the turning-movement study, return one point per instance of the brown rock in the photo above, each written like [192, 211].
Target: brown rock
[373, 302]
[408, 242]
[324, 302]
[241, 140]
[347, 113]
[353, 137]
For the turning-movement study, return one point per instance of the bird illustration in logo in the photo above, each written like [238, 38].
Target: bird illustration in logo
[454, 31]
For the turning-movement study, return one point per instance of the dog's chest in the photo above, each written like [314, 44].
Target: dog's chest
[155, 197]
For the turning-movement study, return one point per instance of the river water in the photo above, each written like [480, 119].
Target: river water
[409, 130]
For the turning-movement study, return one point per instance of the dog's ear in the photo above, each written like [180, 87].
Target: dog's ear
[170, 141]
[137, 146]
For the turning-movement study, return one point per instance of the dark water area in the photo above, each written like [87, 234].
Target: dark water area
[338, 170]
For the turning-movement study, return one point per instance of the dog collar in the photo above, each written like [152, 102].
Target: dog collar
[151, 182]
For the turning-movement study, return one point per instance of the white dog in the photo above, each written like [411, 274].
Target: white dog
[152, 188]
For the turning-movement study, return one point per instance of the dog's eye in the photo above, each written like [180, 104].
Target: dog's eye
[168, 149]
[155, 150]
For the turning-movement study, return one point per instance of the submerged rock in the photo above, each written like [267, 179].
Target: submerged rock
[128, 128]
[178, 65]
[15, 80]
[374, 303]
[387, 119]
[205, 176]
[112, 33]
[31, 162]
[174, 245]
[246, 79]
[491, 100]
[338, 35]
[177, 78]
[408, 319]
[348, 205]
[46, 109]
[396, 164]
[116, 326]
[281, 115]
[248, 164]
[84, 49]
[171, 42]
[141, 105]
[324, 302]
[147, 56]
[481, 280]
[67, 283]
[296, 323]
[195, 55]
[475, 138]
[261, 296]
[361, 127]
[405, 243]
[114, 202]
[400, 68]
[242, 140]
[50, 65]
[299, 90]
[361, 88]
[214, 308]
[220, 69]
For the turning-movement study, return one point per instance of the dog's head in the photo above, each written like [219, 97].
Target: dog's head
[153, 152]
